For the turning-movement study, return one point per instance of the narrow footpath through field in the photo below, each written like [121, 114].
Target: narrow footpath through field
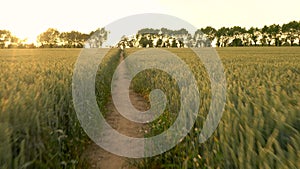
[97, 157]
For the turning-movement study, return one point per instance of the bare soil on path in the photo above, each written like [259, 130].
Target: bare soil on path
[99, 158]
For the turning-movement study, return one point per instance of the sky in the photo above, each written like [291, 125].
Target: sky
[29, 18]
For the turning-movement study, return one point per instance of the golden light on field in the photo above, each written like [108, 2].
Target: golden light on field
[260, 125]
[260, 121]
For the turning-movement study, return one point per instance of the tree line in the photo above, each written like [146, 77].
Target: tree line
[276, 35]
[272, 35]
[52, 38]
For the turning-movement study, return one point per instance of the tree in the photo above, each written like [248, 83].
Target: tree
[5, 34]
[252, 30]
[278, 41]
[148, 31]
[14, 39]
[236, 30]
[237, 42]
[274, 29]
[49, 38]
[222, 32]
[253, 34]
[263, 40]
[97, 38]
[73, 39]
[265, 29]
[159, 43]
[166, 31]
[6, 38]
[291, 26]
[181, 31]
[210, 32]
[144, 42]
[269, 39]
[291, 37]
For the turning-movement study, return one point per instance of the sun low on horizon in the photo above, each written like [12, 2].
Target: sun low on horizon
[33, 17]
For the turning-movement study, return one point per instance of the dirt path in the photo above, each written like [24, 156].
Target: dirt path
[97, 157]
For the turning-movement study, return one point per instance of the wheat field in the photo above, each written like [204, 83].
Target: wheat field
[261, 121]
[38, 124]
[259, 128]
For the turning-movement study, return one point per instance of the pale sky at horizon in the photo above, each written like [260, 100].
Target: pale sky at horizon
[32, 17]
